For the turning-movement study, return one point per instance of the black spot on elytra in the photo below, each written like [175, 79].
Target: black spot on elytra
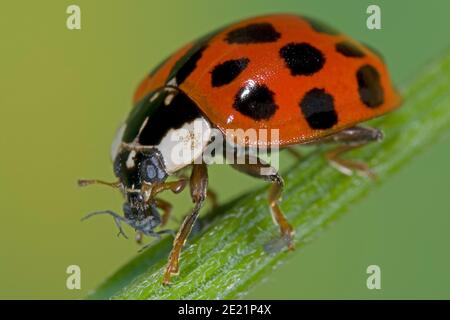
[179, 111]
[348, 49]
[302, 58]
[253, 33]
[187, 64]
[320, 26]
[226, 72]
[318, 109]
[369, 86]
[255, 101]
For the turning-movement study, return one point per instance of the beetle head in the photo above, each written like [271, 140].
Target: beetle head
[140, 214]
[137, 173]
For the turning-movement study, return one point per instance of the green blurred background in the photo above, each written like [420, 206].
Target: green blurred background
[63, 94]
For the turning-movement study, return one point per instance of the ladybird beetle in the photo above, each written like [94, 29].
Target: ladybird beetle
[285, 72]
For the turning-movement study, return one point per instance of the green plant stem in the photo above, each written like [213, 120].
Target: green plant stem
[228, 256]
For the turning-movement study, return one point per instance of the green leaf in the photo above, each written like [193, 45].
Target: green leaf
[228, 256]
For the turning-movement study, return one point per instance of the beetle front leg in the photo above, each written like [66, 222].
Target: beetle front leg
[199, 187]
[175, 186]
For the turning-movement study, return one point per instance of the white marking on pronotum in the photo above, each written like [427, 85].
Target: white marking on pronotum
[115, 147]
[130, 160]
[181, 147]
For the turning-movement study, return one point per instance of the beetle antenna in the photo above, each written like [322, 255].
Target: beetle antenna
[117, 219]
[87, 182]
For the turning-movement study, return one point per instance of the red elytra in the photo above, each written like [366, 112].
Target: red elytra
[337, 77]
[282, 72]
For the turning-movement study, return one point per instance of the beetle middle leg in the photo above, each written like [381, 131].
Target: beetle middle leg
[255, 167]
[166, 207]
[199, 186]
[211, 195]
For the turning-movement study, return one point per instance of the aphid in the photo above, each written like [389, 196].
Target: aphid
[285, 72]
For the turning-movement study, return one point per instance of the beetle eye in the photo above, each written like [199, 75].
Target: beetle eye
[151, 171]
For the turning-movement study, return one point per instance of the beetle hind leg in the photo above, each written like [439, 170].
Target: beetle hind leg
[345, 166]
[350, 139]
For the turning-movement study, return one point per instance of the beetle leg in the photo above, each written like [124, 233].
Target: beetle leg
[255, 167]
[175, 186]
[350, 139]
[211, 195]
[198, 186]
[166, 207]
[345, 166]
